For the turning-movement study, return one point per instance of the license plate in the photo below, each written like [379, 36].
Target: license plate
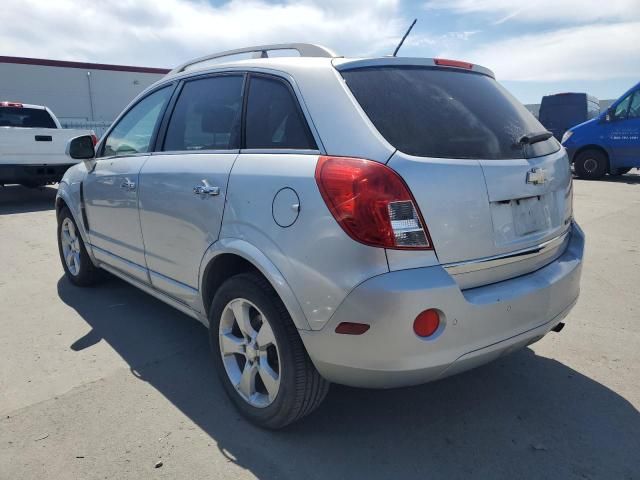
[528, 215]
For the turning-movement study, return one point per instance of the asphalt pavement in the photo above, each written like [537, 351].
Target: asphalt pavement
[108, 382]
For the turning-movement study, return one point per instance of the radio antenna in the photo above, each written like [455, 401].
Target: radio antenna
[395, 52]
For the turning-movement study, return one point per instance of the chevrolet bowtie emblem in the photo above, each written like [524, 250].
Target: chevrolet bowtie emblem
[536, 176]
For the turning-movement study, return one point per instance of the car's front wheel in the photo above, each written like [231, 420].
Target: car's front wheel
[259, 356]
[76, 263]
[591, 164]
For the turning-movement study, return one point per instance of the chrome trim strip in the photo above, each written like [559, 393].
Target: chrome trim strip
[155, 293]
[182, 286]
[106, 253]
[508, 258]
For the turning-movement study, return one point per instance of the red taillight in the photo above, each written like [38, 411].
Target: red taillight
[94, 138]
[443, 62]
[426, 323]
[371, 203]
[11, 104]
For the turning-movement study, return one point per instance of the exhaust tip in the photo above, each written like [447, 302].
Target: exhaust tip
[558, 328]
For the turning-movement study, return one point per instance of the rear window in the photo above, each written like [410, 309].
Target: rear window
[25, 117]
[274, 119]
[431, 112]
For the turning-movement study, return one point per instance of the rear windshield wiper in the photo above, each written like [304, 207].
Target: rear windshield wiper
[531, 138]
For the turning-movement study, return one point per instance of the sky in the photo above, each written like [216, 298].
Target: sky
[535, 47]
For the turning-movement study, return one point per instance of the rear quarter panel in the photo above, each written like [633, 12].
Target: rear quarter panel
[320, 263]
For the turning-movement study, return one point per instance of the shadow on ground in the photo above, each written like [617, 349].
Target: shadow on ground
[522, 416]
[631, 178]
[19, 199]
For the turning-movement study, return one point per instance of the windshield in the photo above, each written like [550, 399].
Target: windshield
[431, 112]
[25, 117]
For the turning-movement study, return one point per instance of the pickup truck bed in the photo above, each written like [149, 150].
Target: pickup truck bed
[32, 145]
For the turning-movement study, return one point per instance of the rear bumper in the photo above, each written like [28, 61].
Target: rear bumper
[33, 174]
[479, 324]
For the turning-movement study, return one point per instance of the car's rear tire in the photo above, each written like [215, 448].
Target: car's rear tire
[621, 171]
[591, 164]
[77, 265]
[253, 337]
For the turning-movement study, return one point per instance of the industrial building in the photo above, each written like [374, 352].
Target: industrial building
[82, 95]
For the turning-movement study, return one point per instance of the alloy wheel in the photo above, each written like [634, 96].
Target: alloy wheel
[70, 246]
[249, 352]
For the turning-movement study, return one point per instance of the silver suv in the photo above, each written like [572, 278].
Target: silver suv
[372, 222]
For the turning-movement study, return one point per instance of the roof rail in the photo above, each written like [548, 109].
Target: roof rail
[260, 51]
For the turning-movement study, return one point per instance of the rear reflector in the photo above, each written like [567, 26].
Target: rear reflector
[426, 323]
[443, 62]
[351, 328]
[11, 104]
[371, 203]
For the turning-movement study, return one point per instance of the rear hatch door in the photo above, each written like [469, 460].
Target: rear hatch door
[483, 191]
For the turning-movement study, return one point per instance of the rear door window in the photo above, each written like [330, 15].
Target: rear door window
[273, 118]
[207, 115]
[431, 112]
[25, 118]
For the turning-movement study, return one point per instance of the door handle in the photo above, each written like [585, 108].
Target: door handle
[205, 189]
[128, 185]
[208, 190]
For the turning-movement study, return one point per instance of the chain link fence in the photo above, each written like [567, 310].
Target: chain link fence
[98, 127]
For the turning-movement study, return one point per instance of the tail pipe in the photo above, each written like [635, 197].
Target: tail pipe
[558, 328]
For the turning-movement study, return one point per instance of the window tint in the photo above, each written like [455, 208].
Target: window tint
[207, 115]
[273, 117]
[441, 113]
[634, 108]
[25, 117]
[622, 108]
[133, 132]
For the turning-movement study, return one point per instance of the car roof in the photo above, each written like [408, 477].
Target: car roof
[309, 54]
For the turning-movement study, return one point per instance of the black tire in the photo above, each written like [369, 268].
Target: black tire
[301, 388]
[621, 171]
[591, 164]
[87, 273]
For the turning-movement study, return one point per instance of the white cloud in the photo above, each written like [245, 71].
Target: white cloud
[601, 45]
[165, 33]
[592, 52]
[553, 11]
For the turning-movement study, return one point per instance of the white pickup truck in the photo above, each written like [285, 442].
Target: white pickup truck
[32, 145]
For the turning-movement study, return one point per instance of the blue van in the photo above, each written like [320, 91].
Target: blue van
[609, 143]
[562, 111]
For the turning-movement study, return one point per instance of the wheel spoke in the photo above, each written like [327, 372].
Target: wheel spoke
[270, 379]
[69, 258]
[66, 238]
[72, 230]
[265, 336]
[241, 313]
[247, 385]
[230, 344]
[244, 332]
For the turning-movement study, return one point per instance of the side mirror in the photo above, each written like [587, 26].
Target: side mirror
[609, 115]
[81, 148]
